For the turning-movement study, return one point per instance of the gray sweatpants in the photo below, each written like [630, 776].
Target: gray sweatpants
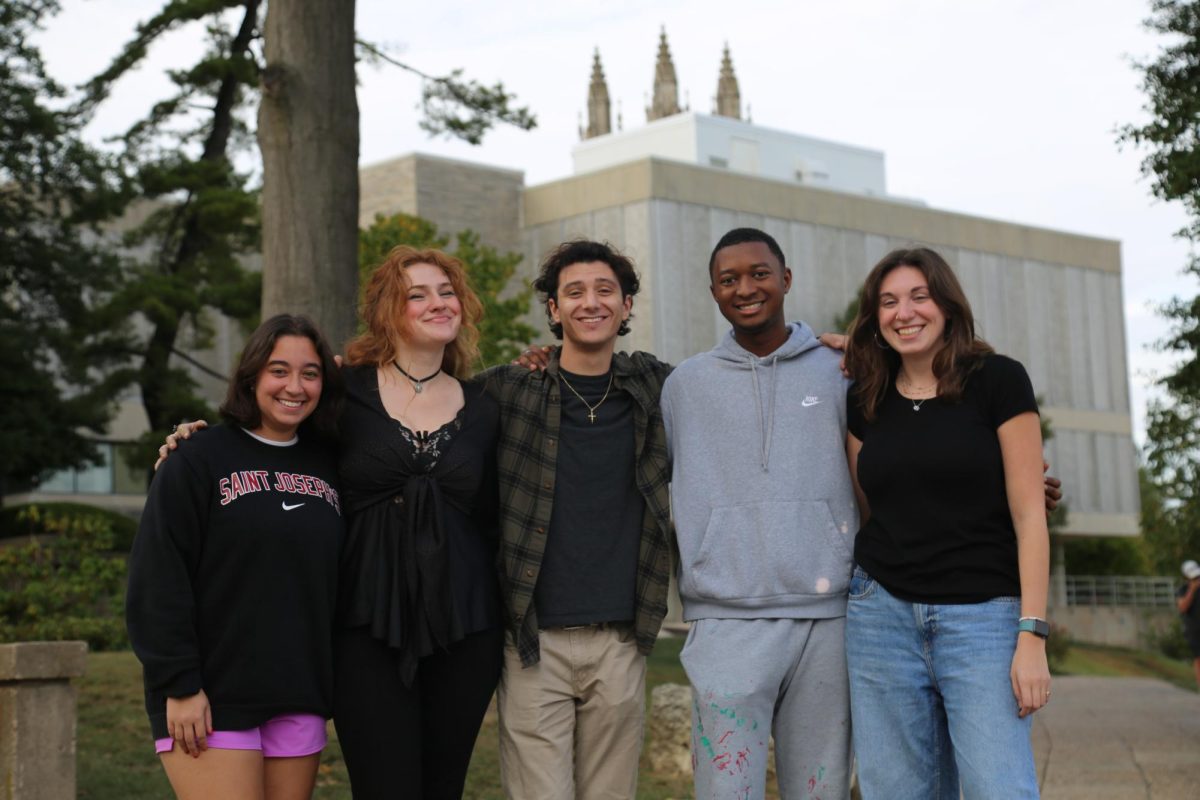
[752, 678]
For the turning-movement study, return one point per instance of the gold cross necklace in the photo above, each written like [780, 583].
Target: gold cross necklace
[591, 408]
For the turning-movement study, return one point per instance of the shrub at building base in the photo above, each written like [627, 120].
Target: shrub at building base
[1171, 642]
[1057, 646]
[67, 583]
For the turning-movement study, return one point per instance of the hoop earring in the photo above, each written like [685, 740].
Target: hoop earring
[879, 344]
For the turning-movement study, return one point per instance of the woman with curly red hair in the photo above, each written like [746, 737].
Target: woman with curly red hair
[419, 645]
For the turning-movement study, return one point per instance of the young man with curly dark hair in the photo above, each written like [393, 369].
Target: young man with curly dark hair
[584, 537]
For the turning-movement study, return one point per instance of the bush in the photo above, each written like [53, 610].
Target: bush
[1103, 555]
[31, 520]
[1171, 642]
[1057, 645]
[68, 588]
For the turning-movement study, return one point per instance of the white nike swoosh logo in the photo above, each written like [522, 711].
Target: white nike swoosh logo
[806, 402]
[286, 507]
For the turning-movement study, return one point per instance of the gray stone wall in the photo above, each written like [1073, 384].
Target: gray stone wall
[454, 195]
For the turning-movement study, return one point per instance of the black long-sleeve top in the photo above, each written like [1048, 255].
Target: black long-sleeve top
[418, 568]
[233, 579]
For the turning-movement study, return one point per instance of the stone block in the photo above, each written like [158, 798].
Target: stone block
[37, 719]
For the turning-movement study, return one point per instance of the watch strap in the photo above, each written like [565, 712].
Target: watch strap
[1038, 627]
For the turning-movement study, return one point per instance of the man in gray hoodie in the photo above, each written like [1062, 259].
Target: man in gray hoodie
[765, 518]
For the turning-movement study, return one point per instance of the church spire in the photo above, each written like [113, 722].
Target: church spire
[666, 88]
[729, 100]
[599, 108]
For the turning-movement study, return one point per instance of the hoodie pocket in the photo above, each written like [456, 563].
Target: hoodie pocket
[771, 549]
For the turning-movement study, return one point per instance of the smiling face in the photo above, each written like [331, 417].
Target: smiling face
[909, 319]
[589, 305]
[432, 311]
[288, 388]
[749, 285]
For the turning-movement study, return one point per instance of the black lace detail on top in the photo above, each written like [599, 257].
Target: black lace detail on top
[427, 446]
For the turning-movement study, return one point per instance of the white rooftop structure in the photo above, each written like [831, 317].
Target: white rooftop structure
[739, 146]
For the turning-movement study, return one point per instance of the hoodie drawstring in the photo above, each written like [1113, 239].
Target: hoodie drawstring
[766, 433]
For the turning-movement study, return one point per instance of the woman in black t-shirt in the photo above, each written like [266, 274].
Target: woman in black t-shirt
[945, 632]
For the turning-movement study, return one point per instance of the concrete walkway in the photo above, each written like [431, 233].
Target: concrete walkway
[1118, 738]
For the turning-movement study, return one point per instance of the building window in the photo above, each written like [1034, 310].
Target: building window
[112, 475]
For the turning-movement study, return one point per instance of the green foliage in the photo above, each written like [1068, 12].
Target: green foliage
[41, 518]
[841, 323]
[503, 334]
[1172, 85]
[1100, 555]
[1171, 642]
[59, 352]
[455, 107]
[184, 260]
[1058, 644]
[65, 585]
[378, 239]
[1168, 539]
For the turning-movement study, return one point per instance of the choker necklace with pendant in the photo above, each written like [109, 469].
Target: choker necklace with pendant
[418, 384]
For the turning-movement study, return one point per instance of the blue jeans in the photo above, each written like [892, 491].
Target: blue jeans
[931, 699]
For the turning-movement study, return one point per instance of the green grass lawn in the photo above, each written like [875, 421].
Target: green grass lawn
[116, 756]
[116, 759]
[1090, 659]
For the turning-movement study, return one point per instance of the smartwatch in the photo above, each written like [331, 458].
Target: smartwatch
[1038, 627]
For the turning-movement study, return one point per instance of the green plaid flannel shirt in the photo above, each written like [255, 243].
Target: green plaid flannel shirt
[527, 457]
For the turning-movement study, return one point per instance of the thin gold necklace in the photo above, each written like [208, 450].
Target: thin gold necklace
[916, 404]
[591, 408]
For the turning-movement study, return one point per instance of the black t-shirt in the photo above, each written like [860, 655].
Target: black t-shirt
[233, 579]
[589, 568]
[940, 529]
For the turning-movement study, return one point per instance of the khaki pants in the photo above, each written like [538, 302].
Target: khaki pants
[571, 725]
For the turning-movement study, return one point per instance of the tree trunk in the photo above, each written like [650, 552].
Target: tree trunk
[308, 134]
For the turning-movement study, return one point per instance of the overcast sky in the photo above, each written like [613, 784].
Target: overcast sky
[1004, 109]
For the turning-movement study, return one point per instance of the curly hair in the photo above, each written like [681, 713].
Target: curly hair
[241, 408]
[382, 311]
[582, 251]
[873, 365]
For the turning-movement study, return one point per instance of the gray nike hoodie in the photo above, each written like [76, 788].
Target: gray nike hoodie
[760, 493]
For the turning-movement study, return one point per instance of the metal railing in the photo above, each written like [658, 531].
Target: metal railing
[1120, 590]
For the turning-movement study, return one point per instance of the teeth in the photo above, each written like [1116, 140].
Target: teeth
[291, 403]
[908, 331]
[751, 306]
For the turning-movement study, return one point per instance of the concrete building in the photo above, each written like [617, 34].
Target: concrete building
[665, 192]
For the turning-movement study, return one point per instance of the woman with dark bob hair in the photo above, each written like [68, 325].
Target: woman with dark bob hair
[945, 631]
[233, 579]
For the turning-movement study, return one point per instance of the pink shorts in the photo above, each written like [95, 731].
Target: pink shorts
[285, 736]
